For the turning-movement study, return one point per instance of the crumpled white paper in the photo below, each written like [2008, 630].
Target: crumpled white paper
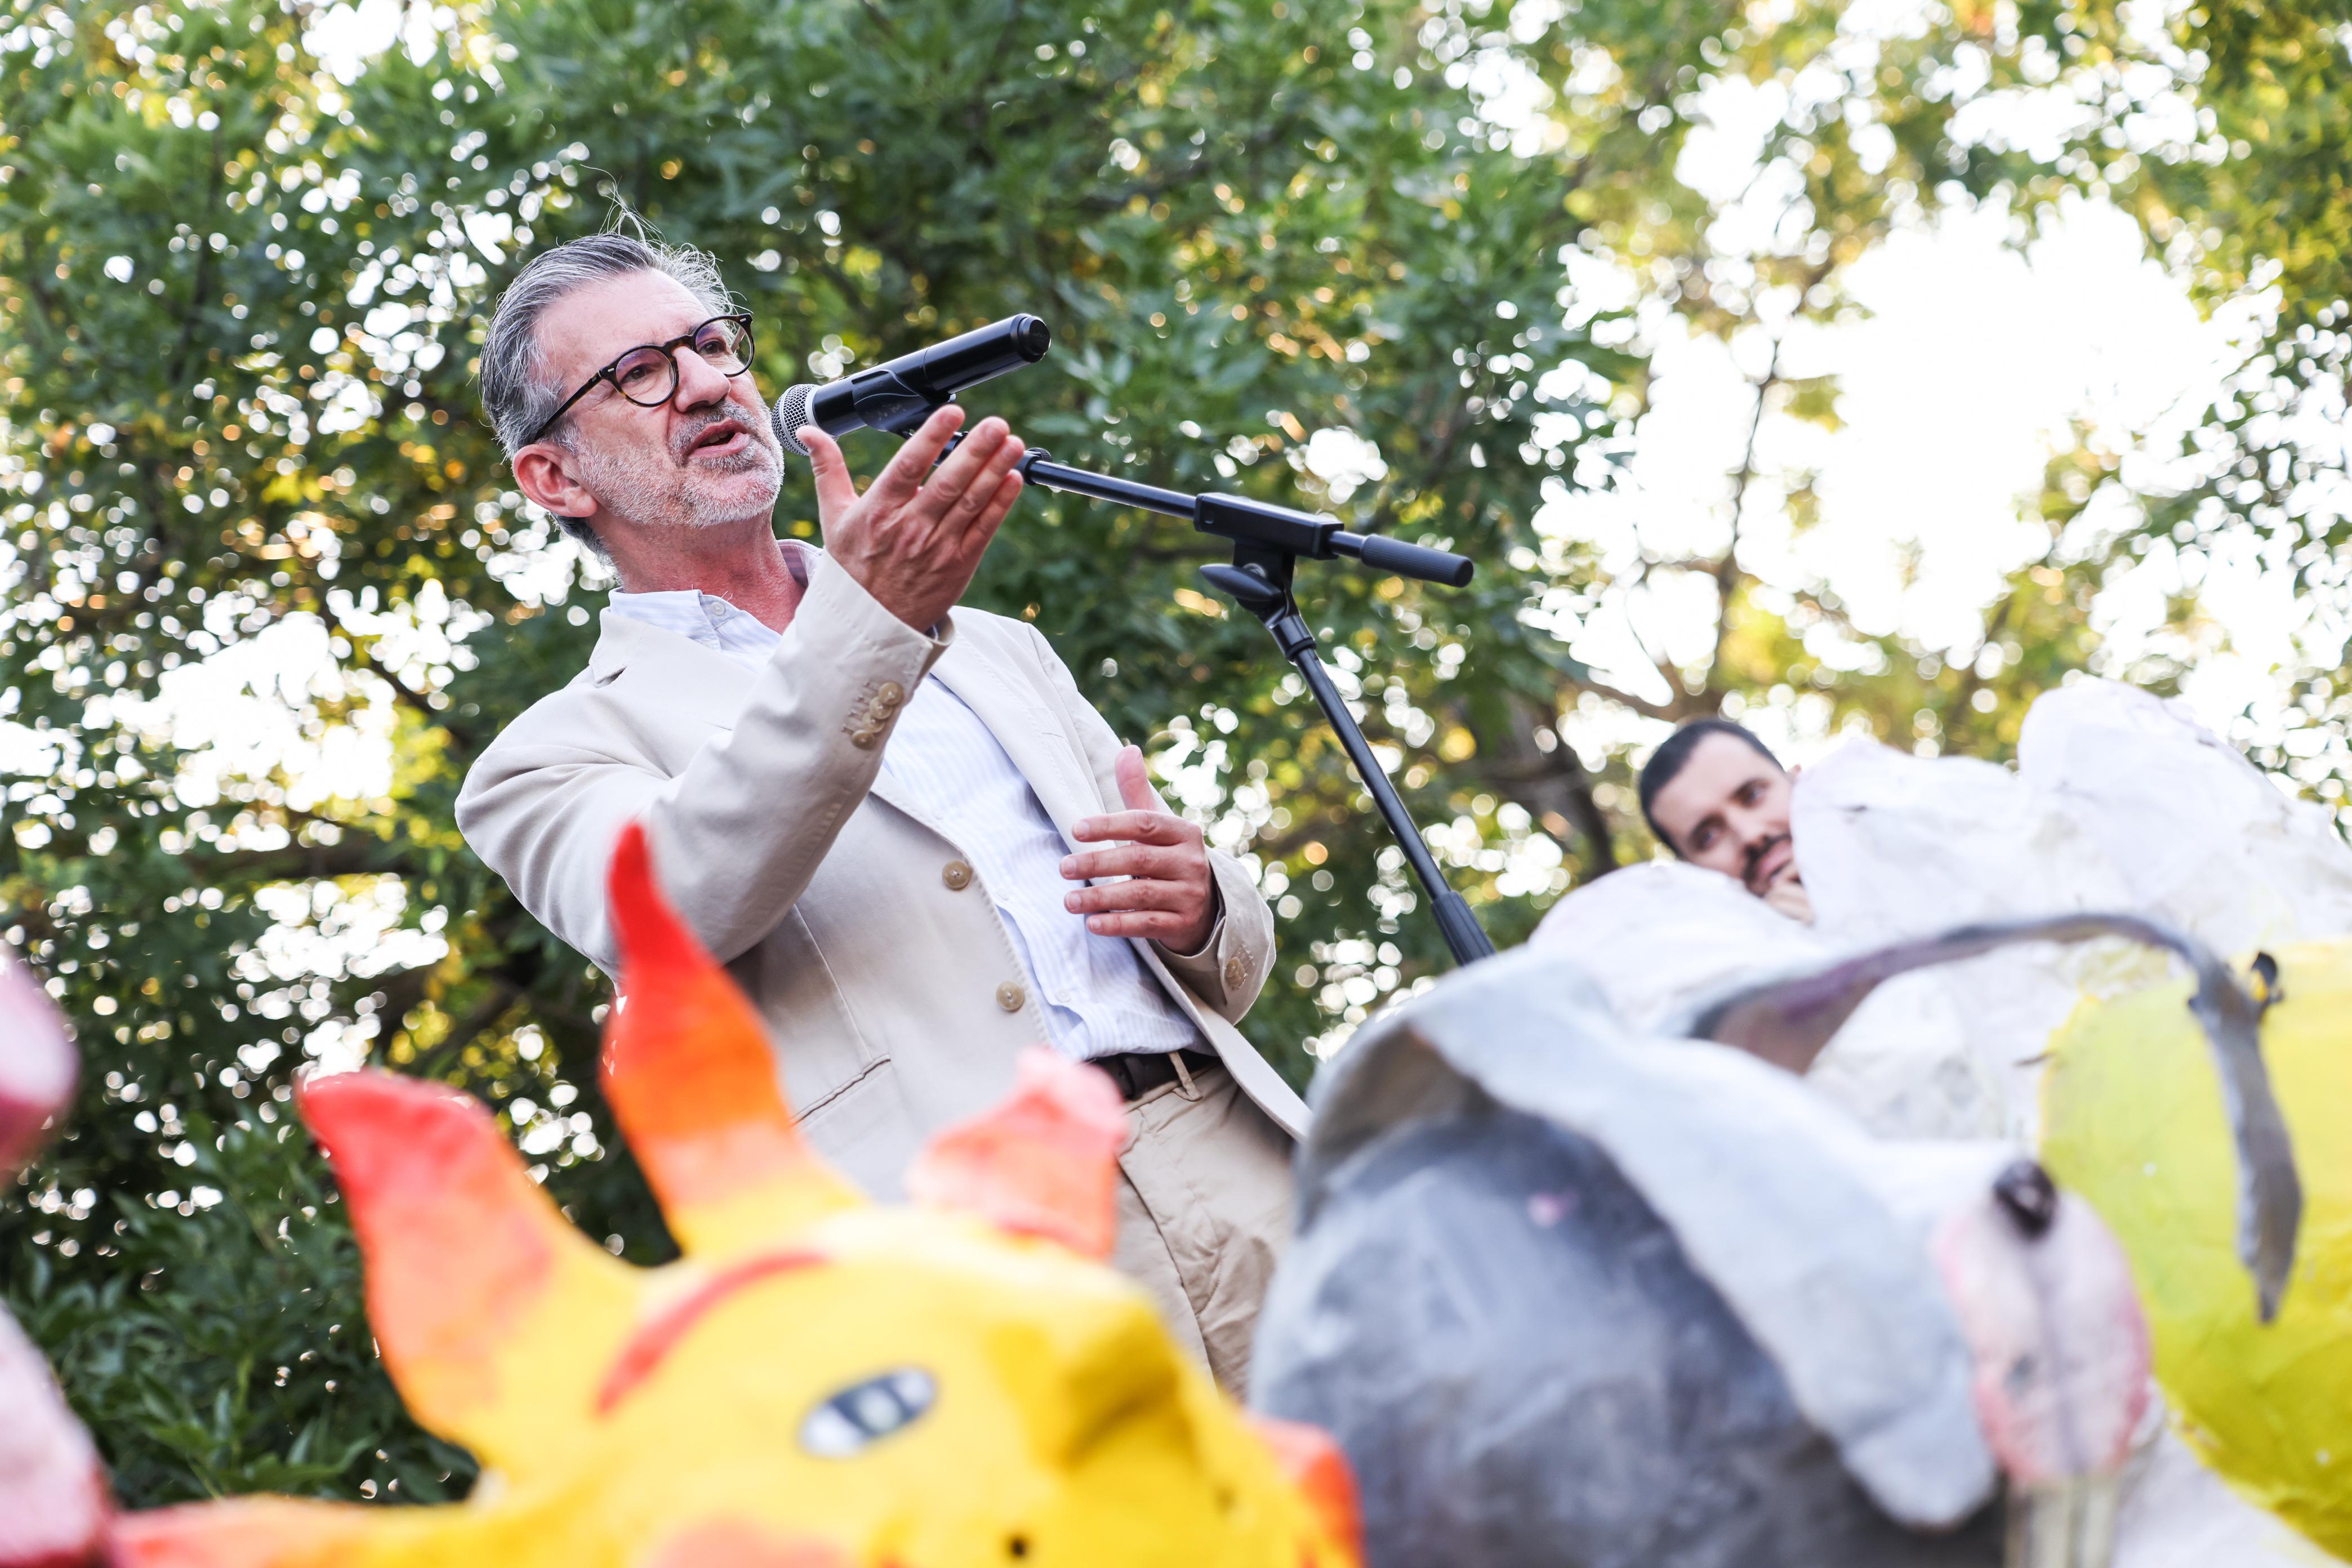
[1662, 939]
[2199, 836]
[2121, 801]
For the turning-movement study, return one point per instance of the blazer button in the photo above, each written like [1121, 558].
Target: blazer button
[1234, 973]
[957, 876]
[1010, 996]
[863, 739]
[891, 694]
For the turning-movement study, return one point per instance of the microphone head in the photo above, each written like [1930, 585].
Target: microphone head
[790, 417]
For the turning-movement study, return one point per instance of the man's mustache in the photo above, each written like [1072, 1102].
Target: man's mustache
[1756, 857]
[685, 440]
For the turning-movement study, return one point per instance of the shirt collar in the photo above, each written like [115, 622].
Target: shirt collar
[688, 611]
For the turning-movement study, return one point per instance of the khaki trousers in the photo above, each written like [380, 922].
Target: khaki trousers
[1204, 1214]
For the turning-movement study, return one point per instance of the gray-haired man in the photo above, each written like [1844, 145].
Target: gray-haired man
[868, 802]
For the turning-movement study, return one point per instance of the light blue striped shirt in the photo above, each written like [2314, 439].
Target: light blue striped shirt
[1097, 997]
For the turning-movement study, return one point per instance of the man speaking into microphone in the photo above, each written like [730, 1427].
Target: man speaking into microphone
[894, 818]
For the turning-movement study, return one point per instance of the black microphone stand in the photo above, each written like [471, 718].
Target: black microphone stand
[1268, 541]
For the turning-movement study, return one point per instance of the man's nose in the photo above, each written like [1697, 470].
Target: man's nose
[699, 384]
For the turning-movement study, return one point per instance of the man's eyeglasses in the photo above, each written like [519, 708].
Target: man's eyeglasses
[647, 374]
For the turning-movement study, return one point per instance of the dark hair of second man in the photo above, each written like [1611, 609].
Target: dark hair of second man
[1668, 760]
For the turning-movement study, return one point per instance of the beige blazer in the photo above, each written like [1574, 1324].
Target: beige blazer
[888, 982]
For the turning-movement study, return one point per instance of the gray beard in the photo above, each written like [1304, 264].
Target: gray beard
[651, 491]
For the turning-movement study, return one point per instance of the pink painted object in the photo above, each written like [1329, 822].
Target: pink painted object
[1041, 1163]
[37, 1066]
[2055, 1326]
[53, 1496]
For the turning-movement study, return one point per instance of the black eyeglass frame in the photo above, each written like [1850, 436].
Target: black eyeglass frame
[668, 351]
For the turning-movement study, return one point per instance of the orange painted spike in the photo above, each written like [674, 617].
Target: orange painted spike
[244, 1533]
[684, 1053]
[461, 1245]
[1043, 1162]
[1318, 1467]
[686, 1063]
[649, 930]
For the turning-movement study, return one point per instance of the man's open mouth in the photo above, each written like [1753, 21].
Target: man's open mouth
[723, 440]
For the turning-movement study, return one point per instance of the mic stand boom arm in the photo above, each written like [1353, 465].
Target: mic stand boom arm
[1267, 543]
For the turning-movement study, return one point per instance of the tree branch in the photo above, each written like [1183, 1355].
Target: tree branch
[1552, 786]
[204, 284]
[1726, 570]
[356, 854]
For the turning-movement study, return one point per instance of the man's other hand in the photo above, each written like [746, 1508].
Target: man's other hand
[1170, 895]
[916, 536]
[1788, 895]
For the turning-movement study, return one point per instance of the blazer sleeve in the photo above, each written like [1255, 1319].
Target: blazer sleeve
[1228, 974]
[738, 835]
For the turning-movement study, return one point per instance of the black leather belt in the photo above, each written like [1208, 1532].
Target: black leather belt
[1138, 1076]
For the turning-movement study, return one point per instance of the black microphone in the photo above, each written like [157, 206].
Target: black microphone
[898, 397]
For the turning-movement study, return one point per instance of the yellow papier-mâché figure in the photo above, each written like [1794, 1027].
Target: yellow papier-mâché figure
[2133, 1119]
[819, 1383]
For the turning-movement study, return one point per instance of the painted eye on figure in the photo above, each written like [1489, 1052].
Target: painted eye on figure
[865, 1413]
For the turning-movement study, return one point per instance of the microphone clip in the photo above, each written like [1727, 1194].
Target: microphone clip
[883, 402]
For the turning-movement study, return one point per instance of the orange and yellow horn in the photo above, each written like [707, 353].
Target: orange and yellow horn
[493, 1314]
[256, 1532]
[1044, 1161]
[1312, 1459]
[690, 1074]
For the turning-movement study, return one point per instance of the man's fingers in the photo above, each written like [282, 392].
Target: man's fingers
[975, 539]
[1134, 783]
[1153, 925]
[904, 475]
[1139, 893]
[1173, 863]
[983, 527]
[980, 492]
[1154, 826]
[1788, 895]
[836, 493]
[962, 467]
[964, 517]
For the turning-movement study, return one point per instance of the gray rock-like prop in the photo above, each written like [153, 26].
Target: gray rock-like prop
[1525, 1369]
[1386, 1327]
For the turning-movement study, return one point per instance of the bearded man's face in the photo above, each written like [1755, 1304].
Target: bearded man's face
[703, 459]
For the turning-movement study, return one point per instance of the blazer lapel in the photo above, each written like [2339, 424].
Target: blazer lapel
[1030, 735]
[690, 681]
[686, 679]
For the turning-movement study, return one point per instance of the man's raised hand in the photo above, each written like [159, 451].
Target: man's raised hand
[916, 536]
[1170, 895]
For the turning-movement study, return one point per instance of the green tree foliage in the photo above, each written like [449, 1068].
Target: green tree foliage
[1308, 249]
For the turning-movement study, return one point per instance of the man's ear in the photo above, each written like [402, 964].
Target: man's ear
[542, 471]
